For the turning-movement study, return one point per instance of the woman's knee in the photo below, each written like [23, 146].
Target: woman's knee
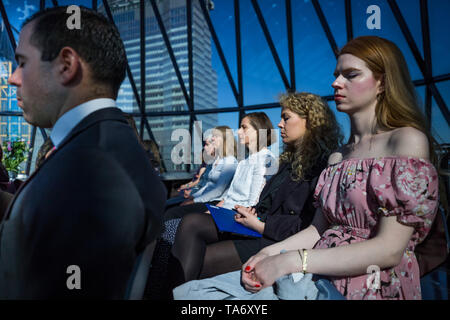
[197, 225]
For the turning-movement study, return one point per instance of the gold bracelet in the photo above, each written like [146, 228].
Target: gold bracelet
[301, 260]
[304, 261]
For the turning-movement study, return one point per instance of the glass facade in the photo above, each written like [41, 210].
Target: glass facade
[162, 88]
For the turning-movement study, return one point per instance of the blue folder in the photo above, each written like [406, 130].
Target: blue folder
[224, 219]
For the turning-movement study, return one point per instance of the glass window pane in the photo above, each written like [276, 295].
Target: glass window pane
[274, 13]
[222, 18]
[225, 95]
[314, 58]
[86, 3]
[126, 99]
[440, 127]
[334, 11]
[208, 121]
[18, 11]
[230, 119]
[261, 78]
[440, 41]
[420, 91]
[411, 12]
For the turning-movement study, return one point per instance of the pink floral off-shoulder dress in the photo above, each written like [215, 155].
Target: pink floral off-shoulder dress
[355, 193]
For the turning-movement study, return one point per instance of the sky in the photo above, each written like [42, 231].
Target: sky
[314, 60]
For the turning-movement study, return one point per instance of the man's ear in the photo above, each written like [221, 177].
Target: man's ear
[69, 65]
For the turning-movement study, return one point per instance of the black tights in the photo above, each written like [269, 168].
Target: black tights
[199, 251]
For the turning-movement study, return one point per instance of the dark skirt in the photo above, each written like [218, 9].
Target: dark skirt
[247, 248]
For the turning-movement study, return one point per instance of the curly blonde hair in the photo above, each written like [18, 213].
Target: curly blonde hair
[322, 137]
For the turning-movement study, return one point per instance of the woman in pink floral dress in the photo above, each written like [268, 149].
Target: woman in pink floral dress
[378, 197]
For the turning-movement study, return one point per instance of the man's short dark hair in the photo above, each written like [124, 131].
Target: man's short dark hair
[97, 42]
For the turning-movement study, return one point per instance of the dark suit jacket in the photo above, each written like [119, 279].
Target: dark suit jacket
[96, 202]
[292, 206]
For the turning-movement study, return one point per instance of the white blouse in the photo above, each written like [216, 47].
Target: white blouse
[249, 180]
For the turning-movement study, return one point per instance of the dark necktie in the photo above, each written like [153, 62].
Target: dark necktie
[44, 151]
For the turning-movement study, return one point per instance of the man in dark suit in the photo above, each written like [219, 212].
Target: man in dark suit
[77, 225]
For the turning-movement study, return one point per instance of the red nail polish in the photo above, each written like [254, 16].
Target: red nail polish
[257, 286]
[247, 268]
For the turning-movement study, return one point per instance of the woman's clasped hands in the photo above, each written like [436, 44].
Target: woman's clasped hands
[263, 269]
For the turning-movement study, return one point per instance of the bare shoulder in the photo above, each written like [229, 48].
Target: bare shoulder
[410, 142]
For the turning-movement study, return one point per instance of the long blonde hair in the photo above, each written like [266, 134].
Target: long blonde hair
[397, 106]
[322, 136]
[229, 142]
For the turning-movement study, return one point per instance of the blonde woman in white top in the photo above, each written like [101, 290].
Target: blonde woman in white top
[255, 133]
[219, 177]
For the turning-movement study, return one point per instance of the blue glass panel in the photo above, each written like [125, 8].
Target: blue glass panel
[334, 11]
[18, 11]
[274, 13]
[440, 41]
[262, 81]
[223, 20]
[440, 127]
[420, 91]
[314, 58]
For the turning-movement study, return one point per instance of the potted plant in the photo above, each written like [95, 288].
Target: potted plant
[14, 153]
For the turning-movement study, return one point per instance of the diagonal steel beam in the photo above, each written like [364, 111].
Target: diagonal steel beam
[163, 31]
[326, 27]
[237, 30]
[349, 19]
[290, 38]
[192, 116]
[131, 79]
[142, 58]
[443, 77]
[269, 40]
[7, 26]
[425, 26]
[219, 50]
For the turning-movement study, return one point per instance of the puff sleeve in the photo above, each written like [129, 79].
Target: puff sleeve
[409, 189]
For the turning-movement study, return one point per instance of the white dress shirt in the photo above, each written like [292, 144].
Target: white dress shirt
[71, 118]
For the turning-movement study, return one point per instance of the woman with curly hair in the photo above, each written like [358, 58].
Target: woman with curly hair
[310, 132]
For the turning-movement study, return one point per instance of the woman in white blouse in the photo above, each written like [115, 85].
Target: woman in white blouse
[219, 178]
[252, 173]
